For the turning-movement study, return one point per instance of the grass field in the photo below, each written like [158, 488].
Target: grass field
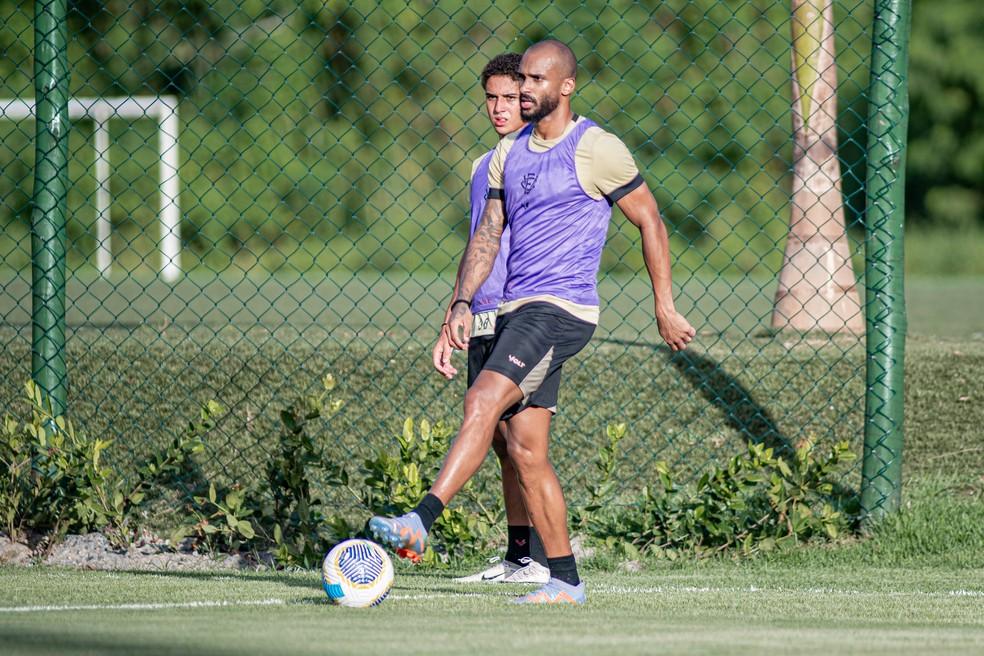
[710, 611]
[915, 587]
[142, 356]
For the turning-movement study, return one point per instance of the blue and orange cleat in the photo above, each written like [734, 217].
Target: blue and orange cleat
[555, 592]
[406, 534]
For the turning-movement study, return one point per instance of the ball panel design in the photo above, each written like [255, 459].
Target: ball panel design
[357, 573]
[360, 564]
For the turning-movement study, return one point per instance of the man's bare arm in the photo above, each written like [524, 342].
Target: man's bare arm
[640, 208]
[479, 259]
[454, 288]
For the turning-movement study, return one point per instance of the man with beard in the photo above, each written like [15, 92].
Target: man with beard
[524, 560]
[555, 181]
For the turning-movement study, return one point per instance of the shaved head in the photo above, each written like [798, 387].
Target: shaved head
[562, 57]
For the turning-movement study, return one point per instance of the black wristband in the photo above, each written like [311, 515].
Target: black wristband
[460, 300]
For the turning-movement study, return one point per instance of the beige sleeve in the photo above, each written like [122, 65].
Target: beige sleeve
[474, 166]
[603, 163]
[498, 161]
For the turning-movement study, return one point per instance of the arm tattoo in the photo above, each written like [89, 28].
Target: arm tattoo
[482, 250]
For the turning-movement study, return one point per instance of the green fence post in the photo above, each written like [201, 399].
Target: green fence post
[50, 192]
[888, 114]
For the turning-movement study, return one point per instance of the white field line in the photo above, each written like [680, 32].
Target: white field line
[618, 590]
[607, 589]
[464, 594]
[161, 606]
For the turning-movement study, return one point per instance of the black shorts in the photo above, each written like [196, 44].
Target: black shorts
[479, 350]
[529, 348]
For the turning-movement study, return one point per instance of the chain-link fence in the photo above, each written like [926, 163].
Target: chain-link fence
[259, 193]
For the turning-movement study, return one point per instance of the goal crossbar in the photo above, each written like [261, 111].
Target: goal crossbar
[100, 110]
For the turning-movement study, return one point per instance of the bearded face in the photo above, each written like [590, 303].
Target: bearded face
[534, 107]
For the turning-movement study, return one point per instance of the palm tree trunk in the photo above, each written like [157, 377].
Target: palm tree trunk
[817, 288]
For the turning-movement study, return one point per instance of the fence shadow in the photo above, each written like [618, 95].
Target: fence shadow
[740, 410]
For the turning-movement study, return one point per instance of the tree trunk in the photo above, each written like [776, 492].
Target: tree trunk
[817, 288]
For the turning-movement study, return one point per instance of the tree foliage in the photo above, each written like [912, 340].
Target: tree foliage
[945, 169]
[341, 134]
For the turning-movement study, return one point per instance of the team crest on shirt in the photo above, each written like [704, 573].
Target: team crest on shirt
[529, 182]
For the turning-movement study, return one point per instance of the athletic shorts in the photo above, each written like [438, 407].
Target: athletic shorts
[479, 350]
[530, 347]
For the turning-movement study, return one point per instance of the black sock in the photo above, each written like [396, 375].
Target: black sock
[429, 509]
[564, 568]
[519, 544]
[536, 548]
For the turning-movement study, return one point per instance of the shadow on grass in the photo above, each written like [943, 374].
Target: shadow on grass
[741, 412]
[307, 580]
[739, 408]
[303, 579]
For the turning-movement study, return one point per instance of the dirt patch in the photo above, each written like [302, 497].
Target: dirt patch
[94, 551]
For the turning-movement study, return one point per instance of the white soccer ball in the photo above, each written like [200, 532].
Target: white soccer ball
[357, 573]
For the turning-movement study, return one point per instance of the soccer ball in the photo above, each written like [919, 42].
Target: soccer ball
[357, 573]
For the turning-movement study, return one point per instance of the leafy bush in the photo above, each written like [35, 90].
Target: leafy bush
[758, 502]
[54, 479]
[394, 484]
[286, 510]
[282, 511]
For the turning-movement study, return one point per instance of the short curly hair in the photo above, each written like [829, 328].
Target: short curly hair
[505, 64]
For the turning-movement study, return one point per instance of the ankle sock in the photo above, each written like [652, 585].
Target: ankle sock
[519, 544]
[429, 509]
[564, 568]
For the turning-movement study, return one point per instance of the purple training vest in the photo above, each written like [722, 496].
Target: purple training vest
[557, 230]
[490, 293]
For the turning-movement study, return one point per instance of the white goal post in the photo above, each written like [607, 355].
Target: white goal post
[100, 111]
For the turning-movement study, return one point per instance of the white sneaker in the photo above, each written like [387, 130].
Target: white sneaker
[504, 571]
[494, 574]
[530, 572]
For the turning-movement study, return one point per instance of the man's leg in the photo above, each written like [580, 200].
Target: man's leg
[529, 436]
[485, 402]
[525, 559]
[516, 514]
[528, 440]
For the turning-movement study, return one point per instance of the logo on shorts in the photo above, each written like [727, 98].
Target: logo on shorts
[516, 361]
[529, 182]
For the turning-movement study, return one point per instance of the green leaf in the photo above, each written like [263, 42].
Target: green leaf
[784, 468]
[211, 492]
[246, 530]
